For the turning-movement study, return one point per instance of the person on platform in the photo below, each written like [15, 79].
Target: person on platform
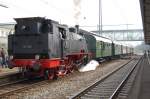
[3, 57]
[0, 60]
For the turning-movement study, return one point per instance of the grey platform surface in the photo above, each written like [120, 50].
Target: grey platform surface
[141, 86]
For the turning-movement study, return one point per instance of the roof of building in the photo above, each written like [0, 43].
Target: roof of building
[145, 11]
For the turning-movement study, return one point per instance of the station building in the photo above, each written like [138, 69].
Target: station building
[5, 30]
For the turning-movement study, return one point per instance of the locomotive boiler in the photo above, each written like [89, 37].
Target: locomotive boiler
[41, 46]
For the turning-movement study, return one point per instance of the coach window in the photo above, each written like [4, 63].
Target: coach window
[103, 45]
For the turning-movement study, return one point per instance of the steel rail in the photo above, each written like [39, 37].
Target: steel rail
[120, 86]
[20, 88]
[97, 82]
[6, 75]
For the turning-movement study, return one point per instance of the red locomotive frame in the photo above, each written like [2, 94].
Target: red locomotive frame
[52, 68]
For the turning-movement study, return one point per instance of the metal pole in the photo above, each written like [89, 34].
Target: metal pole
[100, 17]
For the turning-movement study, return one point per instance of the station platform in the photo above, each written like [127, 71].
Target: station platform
[141, 86]
[7, 71]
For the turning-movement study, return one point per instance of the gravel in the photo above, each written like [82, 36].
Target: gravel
[64, 87]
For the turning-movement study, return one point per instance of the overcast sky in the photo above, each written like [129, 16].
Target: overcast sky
[114, 12]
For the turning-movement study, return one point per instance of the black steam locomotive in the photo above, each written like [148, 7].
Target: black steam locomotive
[44, 47]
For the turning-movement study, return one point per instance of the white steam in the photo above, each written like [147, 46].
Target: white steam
[92, 65]
[77, 10]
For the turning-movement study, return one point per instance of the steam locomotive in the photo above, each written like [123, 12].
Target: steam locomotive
[46, 48]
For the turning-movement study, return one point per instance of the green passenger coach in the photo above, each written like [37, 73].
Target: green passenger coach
[100, 47]
[103, 48]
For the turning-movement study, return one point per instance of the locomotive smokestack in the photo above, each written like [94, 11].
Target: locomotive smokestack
[77, 28]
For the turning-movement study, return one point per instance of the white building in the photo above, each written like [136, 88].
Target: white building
[5, 30]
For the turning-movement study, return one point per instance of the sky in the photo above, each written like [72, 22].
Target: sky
[115, 13]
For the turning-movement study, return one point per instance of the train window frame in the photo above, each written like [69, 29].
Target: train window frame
[103, 45]
[62, 32]
[100, 44]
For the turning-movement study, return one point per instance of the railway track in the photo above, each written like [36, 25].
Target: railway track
[10, 78]
[110, 85]
[10, 75]
[125, 90]
[18, 86]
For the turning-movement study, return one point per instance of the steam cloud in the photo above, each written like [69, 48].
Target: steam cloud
[77, 10]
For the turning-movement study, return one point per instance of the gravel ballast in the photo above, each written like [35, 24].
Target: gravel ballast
[64, 87]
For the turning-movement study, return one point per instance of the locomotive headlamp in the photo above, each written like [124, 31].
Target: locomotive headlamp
[11, 57]
[37, 57]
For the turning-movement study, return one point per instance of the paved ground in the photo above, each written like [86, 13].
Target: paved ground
[7, 71]
[145, 81]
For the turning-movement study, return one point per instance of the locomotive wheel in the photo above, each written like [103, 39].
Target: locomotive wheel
[22, 70]
[25, 72]
[70, 67]
[86, 59]
[69, 71]
[50, 75]
[29, 75]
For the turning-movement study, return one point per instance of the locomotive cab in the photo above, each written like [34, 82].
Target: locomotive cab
[34, 37]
